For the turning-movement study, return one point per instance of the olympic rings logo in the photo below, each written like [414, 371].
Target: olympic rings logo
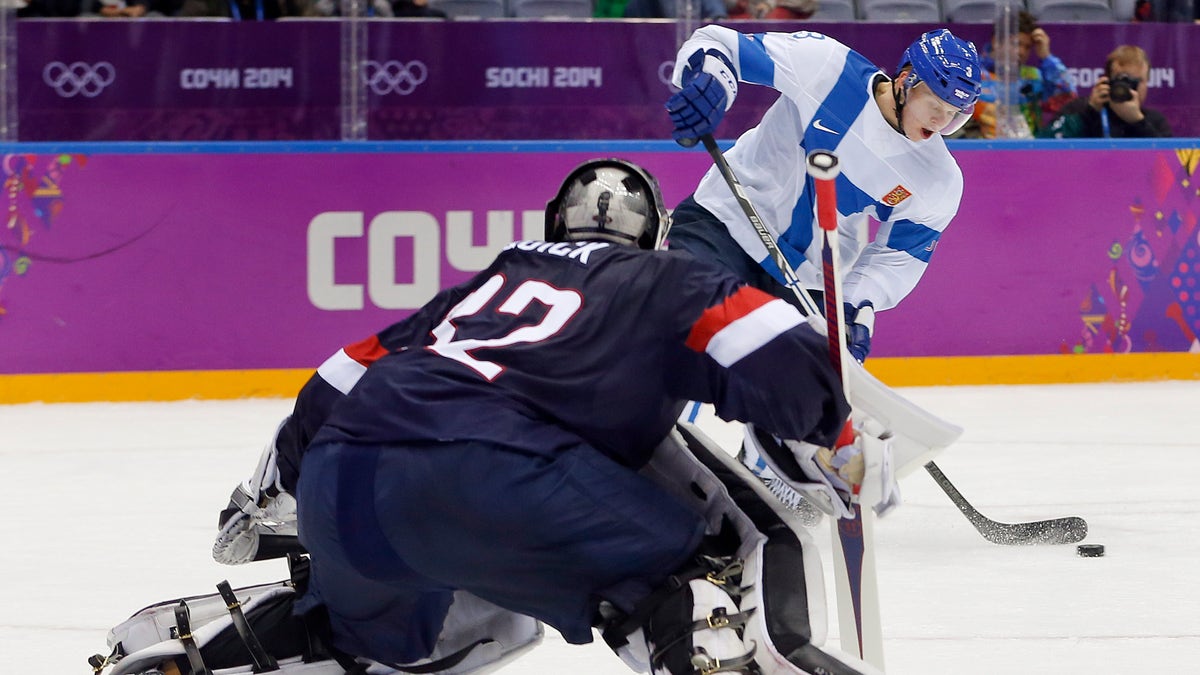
[394, 76]
[665, 70]
[79, 78]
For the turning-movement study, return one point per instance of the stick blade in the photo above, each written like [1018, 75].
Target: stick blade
[1053, 532]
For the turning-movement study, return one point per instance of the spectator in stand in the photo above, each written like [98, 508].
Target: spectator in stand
[382, 9]
[792, 10]
[708, 10]
[241, 10]
[1041, 89]
[1115, 108]
[752, 10]
[51, 9]
[609, 9]
[771, 10]
[121, 9]
[415, 9]
[1167, 11]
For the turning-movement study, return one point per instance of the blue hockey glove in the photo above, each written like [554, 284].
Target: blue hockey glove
[709, 87]
[860, 324]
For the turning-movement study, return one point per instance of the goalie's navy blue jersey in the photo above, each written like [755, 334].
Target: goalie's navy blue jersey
[560, 341]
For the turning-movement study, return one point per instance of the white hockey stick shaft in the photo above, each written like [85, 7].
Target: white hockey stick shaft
[855, 579]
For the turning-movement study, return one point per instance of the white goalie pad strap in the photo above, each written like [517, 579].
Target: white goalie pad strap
[696, 629]
[155, 623]
[917, 435]
[149, 638]
[141, 635]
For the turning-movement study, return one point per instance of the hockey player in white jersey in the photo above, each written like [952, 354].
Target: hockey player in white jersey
[887, 132]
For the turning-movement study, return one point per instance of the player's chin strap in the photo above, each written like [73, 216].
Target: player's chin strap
[900, 101]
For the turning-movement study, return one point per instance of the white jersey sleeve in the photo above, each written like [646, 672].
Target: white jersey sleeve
[911, 188]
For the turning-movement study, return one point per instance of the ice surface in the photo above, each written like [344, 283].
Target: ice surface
[108, 507]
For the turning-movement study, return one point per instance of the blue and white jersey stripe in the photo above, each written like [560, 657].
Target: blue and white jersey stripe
[911, 188]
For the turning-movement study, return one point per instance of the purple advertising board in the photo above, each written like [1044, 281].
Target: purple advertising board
[253, 258]
[178, 80]
[456, 80]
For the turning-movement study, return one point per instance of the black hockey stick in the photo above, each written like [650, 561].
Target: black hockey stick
[1067, 530]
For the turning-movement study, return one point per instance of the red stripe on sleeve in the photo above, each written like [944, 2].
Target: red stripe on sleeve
[745, 300]
[366, 351]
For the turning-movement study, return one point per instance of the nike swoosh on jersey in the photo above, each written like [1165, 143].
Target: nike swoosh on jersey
[817, 123]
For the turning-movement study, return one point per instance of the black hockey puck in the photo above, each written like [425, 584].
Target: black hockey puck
[1090, 550]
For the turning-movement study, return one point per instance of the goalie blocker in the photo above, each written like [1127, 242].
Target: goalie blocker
[753, 601]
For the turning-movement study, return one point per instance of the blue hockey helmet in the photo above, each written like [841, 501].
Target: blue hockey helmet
[949, 66]
[610, 200]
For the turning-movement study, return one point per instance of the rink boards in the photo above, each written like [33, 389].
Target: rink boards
[163, 271]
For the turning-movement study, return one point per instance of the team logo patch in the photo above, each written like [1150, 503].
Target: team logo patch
[897, 195]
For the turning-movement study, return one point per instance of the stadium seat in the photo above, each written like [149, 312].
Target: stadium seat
[975, 11]
[834, 10]
[900, 11]
[482, 9]
[1071, 10]
[1123, 10]
[543, 9]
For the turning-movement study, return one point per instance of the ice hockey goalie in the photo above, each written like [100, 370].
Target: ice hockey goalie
[752, 601]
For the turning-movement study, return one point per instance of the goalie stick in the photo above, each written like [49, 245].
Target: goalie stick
[1067, 530]
[861, 624]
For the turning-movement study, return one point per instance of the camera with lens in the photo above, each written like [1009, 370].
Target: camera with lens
[1121, 87]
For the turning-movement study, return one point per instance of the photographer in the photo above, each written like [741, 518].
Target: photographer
[1114, 108]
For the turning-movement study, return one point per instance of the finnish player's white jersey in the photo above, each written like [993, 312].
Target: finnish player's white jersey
[912, 188]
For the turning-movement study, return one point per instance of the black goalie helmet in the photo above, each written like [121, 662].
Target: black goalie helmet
[610, 200]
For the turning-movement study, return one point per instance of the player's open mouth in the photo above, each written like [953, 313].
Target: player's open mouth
[926, 134]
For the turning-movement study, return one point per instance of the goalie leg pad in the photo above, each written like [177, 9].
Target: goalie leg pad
[780, 594]
[696, 627]
[477, 637]
[691, 624]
